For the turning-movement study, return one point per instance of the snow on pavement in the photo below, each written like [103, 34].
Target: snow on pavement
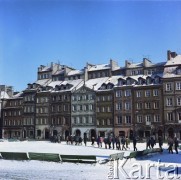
[40, 170]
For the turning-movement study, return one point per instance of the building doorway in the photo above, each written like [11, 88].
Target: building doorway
[131, 134]
[24, 133]
[93, 133]
[77, 132]
[55, 132]
[46, 134]
[171, 132]
[141, 133]
[160, 133]
[147, 133]
[66, 133]
[102, 133]
[122, 133]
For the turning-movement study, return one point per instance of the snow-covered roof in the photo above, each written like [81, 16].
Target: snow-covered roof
[58, 72]
[73, 83]
[43, 82]
[46, 68]
[96, 83]
[174, 61]
[17, 95]
[3, 94]
[113, 80]
[75, 72]
[135, 65]
[99, 67]
[54, 83]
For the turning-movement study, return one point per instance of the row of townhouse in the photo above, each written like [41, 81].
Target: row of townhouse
[142, 99]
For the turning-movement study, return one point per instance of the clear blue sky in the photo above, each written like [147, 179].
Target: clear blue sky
[35, 32]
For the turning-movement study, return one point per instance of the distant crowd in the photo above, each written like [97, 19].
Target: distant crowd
[120, 142]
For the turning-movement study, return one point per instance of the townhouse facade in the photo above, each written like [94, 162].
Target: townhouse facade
[139, 99]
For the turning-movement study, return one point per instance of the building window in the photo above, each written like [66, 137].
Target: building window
[128, 119]
[156, 105]
[90, 119]
[178, 85]
[109, 109]
[139, 105]
[127, 92]
[139, 119]
[118, 106]
[119, 119]
[155, 92]
[138, 93]
[103, 109]
[179, 116]
[157, 118]
[127, 106]
[147, 105]
[170, 116]
[118, 93]
[148, 118]
[179, 101]
[38, 132]
[147, 93]
[169, 102]
[108, 122]
[168, 86]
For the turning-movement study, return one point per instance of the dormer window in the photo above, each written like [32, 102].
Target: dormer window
[103, 87]
[179, 71]
[120, 82]
[148, 80]
[140, 81]
[109, 86]
[157, 80]
[128, 81]
[34, 86]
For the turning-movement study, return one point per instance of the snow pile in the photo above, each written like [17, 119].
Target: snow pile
[38, 170]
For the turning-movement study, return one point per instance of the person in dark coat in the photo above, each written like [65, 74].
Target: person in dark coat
[148, 143]
[176, 144]
[113, 141]
[160, 142]
[85, 140]
[109, 141]
[105, 142]
[152, 142]
[170, 145]
[92, 139]
[134, 144]
[123, 142]
[98, 141]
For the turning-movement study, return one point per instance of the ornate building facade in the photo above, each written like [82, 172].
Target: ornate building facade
[140, 99]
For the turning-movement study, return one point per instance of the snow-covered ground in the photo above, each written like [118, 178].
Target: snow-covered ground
[37, 170]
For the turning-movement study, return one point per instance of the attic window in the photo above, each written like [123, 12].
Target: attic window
[179, 71]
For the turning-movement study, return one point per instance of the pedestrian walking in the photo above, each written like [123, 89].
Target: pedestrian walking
[134, 144]
[123, 142]
[85, 140]
[176, 145]
[152, 142]
[148, 143]
[160, 142]
[92, 139]
[127, 142]
[113, 141]
[170, 145]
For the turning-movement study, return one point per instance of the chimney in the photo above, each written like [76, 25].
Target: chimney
[113, 64]
[171, 55]
[127, 63]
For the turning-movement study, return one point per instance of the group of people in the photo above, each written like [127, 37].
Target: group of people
[122, 143]
[173, 142]
[118, 142]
